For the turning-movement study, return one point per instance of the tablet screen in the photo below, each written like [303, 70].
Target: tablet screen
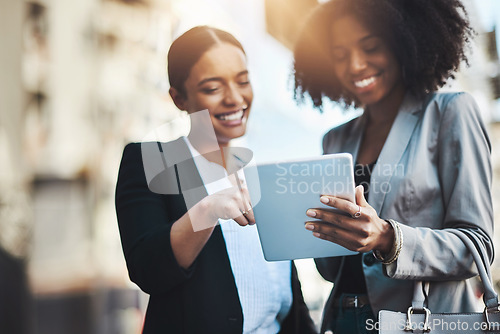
[282, 192]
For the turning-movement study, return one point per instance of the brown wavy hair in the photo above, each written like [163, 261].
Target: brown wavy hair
[188, 48]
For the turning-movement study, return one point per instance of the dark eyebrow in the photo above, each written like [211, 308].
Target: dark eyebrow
[242, 73]
[369, 37]
[219, 78]
[208, 80]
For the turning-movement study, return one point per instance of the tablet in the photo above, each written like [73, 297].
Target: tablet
[281, 194]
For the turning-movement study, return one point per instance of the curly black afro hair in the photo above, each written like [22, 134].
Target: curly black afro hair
[428, 37]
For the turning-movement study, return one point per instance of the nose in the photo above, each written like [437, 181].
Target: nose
[233, 96]
[357, 62]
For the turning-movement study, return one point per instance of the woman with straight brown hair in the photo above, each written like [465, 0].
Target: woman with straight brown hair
[202, 264]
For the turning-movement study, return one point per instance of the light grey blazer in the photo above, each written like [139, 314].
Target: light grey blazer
[433, 173]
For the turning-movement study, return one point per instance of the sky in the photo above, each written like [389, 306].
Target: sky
[489, 13]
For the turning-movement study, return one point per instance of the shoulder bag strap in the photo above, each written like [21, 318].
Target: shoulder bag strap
[490, 296]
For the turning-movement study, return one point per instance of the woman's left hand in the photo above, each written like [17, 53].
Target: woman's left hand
[360, 232]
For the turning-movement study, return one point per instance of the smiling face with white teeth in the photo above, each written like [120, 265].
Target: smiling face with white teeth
[364, 63]
[219, 82]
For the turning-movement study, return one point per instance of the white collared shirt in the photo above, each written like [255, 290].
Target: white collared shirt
[264, 288]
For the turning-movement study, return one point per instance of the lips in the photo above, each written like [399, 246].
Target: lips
[365, 82]
[232, 118]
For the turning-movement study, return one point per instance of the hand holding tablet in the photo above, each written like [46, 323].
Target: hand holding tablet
[357, 228]
[287, 190]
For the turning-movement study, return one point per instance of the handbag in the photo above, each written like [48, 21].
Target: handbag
[419, 319]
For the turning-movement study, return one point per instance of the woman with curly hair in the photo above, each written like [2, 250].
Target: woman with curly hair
[422, 157]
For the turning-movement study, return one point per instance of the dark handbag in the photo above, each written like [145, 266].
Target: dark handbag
[419, 319]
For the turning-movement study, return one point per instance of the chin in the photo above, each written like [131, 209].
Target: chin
[237, 135]
[227, 137]
[370, 99]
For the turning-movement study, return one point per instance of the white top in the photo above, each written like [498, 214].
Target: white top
[264, 288]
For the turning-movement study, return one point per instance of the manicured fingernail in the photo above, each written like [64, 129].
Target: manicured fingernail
[316, 234]
[324, 199]
[310, 227]
[311, 213]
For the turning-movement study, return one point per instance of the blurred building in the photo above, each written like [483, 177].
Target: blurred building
[482, 80]
[82, 78]
[85, 78]
[15, 216]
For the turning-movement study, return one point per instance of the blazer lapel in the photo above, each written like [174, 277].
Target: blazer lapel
[353, 145]
[394, 147]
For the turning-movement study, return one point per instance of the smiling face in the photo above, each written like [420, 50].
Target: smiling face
[219, 82]
[363, 63]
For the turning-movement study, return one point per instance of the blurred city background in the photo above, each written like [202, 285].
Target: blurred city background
[81, 78]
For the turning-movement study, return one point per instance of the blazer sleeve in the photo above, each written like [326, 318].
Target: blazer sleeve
[145, 226]
[465, 175]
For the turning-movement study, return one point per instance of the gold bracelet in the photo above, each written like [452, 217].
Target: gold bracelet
[400, 243]
[396, 247]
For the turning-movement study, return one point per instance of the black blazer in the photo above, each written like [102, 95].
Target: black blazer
[202, 299]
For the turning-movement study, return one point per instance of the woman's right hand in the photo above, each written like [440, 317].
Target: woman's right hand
[231, 203]
[191, 232]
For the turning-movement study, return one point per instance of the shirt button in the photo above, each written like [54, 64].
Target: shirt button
[369, 259]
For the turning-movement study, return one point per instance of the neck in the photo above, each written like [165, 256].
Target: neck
[385, 111]
[223, 145]
[213, 151]
[222, 154]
